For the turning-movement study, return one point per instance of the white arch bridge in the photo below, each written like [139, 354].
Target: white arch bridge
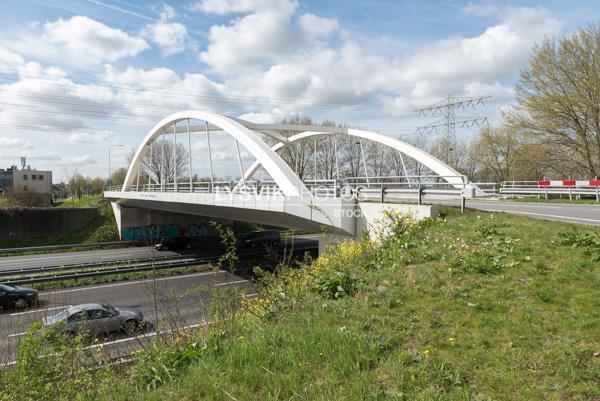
[283, 199]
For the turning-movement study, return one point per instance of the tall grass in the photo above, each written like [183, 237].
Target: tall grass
[471, 307]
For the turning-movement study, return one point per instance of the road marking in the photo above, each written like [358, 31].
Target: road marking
[231, 282]
[122, 340]
[131, 283]
[514, 205]
[71, 256]
[39, 310]
[545, 215]
[192, 326]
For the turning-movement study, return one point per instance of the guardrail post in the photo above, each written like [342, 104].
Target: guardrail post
[570, 194]
[420, 194]
[597, 194]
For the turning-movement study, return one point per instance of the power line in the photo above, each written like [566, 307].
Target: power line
[447, 108]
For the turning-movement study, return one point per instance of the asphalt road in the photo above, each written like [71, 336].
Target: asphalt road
[112, 255]
[67, 258]
[180, 301]
[568, 212]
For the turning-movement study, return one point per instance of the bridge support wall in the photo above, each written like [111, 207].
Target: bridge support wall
[372, 216]
[370, 220]
[150, 225]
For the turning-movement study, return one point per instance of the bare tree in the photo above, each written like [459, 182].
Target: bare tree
[162, 162]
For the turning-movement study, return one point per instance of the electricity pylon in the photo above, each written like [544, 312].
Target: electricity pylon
[447, 125]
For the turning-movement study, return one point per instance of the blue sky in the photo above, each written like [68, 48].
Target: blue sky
[78, 76]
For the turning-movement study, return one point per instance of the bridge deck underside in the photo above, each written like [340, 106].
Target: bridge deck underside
[334, 214]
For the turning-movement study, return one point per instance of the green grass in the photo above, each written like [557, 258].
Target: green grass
[477, 307]
[101, 229]
[5, 202]
[84, 201]
[534, 199]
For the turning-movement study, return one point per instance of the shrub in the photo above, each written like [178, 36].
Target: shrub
[589, 240]
[335, 285]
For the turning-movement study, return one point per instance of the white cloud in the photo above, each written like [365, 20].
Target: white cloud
[86, 37]
[171, 37]
[316, 27]
[261, 37]
[163, 89]
[78, 161]
[222, 156]
[482, 9]
[43, 98]
[297, 73]
[224, 7]
[260, 118]
[9, 60]
[13, 142]
[91, 138]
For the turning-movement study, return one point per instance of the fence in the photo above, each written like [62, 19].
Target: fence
[570, 188]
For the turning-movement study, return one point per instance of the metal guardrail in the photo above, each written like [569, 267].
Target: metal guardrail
[80, 266]
[77, 271]
[105, 272]
[66, 246]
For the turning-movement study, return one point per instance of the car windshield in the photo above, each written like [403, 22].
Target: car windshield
[6, 287]
[110, 309]
[62, 315]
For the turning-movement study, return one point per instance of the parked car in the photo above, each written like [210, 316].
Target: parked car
[256, 239]
[17, 297]
[96, 319]
[174, 244]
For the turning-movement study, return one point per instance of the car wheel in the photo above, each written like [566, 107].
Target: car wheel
[20, 303]
[130, 326]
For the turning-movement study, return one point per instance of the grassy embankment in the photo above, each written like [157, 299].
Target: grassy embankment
[101, 229]
[474, 307]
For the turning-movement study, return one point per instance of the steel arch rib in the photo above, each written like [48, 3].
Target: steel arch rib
[287, 180]
[450, 175]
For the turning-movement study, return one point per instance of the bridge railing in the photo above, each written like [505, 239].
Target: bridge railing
[570, 188]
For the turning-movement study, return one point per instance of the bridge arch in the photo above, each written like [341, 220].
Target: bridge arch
[442, 169]
[287, 180]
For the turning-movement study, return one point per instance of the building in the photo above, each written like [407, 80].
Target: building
[29, 187]
[6, 179]
[31, 180]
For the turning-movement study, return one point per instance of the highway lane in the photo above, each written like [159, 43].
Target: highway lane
[588, 214]
[180, 301]
[67, 258]
[121, 254]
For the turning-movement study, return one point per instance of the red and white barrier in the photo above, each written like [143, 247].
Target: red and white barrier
[569, 183]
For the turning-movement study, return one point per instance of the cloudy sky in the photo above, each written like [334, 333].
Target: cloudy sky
[77, 76]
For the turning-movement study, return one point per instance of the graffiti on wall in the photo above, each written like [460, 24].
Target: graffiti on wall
[154, 233]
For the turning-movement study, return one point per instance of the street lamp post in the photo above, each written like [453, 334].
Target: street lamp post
[109, 170]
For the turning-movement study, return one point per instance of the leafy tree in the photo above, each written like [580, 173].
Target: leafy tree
[558, 97]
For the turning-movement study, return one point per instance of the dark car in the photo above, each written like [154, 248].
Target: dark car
[174, 244]
[17, 297]
[96, 319]
[256, 239]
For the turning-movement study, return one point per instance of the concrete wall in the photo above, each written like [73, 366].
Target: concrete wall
[149, 225]
[371, 215]
[368, 219]
[34, 222]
